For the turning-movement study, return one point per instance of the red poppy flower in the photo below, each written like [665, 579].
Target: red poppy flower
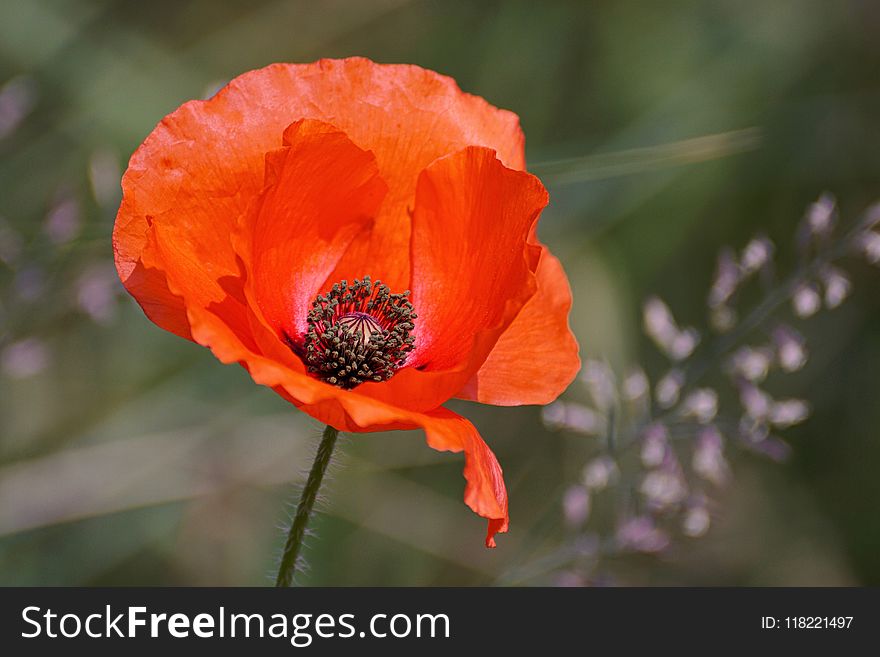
[260, 223]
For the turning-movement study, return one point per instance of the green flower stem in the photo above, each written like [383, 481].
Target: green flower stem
[304, 509]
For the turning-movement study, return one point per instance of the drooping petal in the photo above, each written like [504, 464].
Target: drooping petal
[445, 431]
[485, 492]
[536, 358]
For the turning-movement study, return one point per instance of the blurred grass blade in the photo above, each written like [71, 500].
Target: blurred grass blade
[649, 158]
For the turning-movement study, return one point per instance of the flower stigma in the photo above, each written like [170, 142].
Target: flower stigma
[357, 333]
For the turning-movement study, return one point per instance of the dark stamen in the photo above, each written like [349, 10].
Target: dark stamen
[358, 333]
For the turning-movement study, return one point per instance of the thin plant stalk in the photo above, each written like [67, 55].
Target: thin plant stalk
[293, 546]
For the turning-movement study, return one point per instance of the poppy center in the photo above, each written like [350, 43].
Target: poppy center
[358, 332]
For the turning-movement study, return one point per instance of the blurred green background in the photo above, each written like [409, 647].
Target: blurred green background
[130, 456]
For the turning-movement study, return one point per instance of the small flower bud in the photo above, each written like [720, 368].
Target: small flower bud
[668, 388]
[696, 521]
[641, 535]
[635, 385]
[708, 459]
[17, 98]
[576, 506]
[655, 443]
[573, 417]
[871, 217]
[600, 384]
[869, 243]
[661, 327]
[683, 344]
[25, 358]
[755, 401]
[701, 404]
[773, 448]
[62, 223]
[751, 364]
[791, 349]
[97, 288]
[753, 431]
[788, 412]
[756, 255]
[806, 300]
[663, 489]
[821, 216]
[599, 473]
[658, 322]
[727, 277]
[837, 287]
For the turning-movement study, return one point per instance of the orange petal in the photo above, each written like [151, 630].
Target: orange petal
[471, 265]
[408, 117]
[321, 192]
[485, 492]
[536, 358]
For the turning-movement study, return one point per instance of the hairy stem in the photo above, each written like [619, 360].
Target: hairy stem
[304, 509]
